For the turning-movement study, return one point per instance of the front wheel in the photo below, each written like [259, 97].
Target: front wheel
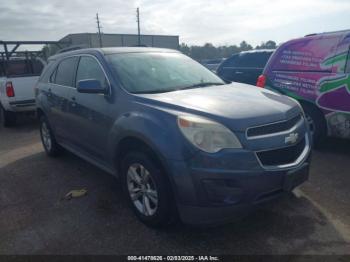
[48, 139]
[147, 189]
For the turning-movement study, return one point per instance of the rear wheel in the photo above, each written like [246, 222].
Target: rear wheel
[48, 139]
[7, 118]
[317, 124]
[147, 189]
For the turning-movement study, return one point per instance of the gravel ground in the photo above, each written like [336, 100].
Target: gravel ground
[34, 219]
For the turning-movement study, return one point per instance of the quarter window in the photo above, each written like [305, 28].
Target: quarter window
[46, 74]
[52, 76]
[65, 72]
[254, 60]
[89, 68]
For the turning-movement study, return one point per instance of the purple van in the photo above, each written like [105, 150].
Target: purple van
[315, 70]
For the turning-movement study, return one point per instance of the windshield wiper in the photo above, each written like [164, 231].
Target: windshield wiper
[156, 91]
[201, 85]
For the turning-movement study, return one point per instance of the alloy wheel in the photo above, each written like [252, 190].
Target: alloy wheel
[142, 189]
[46, 136]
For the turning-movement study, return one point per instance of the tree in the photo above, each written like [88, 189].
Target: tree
[244, 46]
[209, 51]
[227, 51]
[185, 49]
[49, 50]
[267, 45]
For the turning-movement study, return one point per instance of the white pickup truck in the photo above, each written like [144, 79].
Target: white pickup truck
[18, 77]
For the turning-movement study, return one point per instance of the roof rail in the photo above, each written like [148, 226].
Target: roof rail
[310, 34]
[70, 48]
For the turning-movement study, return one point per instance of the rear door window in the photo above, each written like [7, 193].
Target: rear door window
[253, 60]
[231, 61]
[248, 60]
[66, 72]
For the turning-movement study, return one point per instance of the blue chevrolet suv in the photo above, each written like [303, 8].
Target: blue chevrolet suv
[183, 143]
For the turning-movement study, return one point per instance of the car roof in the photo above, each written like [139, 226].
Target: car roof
[316, 36]
[257, 51]
[113, 50]
[340, 32]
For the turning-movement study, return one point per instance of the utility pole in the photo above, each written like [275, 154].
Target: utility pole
[138, 25]
[99, 29]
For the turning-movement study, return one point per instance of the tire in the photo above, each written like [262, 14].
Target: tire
[7, 118]
[317, 124]
[48, 139]
[152, 201]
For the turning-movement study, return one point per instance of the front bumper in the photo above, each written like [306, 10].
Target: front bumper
[223, 186]
[207, 196]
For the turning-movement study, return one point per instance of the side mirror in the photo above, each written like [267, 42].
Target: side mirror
[90, 86]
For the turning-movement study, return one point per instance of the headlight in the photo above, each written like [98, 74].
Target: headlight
[207, 135]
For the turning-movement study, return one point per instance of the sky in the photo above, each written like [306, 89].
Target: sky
[220, 22]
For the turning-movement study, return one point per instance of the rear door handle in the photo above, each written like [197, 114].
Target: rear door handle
[239, 72]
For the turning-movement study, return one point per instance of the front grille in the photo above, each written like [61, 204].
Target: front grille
[282, 156]
[273, 128]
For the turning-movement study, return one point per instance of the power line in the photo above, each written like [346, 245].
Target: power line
[99, 29]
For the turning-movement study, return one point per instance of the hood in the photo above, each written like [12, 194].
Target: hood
[236, 105]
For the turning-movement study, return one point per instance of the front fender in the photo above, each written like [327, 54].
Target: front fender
[157, 129]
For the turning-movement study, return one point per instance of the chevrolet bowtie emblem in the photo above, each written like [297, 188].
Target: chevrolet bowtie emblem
[292, 138]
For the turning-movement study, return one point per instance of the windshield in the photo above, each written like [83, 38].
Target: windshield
[160, 72]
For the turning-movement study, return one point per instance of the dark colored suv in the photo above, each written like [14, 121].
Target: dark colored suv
[181, 140]
[244, 67]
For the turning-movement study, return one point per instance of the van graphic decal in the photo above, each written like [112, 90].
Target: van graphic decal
[335, 94]
[313, 69]
[337, 61]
